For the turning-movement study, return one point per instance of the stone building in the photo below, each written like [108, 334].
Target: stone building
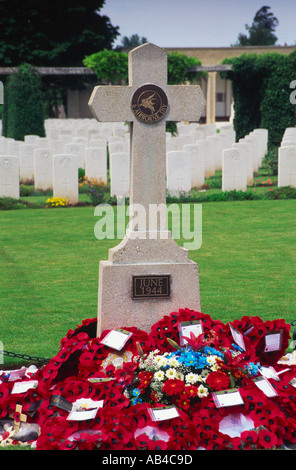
[217, 90]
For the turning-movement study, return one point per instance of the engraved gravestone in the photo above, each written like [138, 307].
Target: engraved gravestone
[147, 275]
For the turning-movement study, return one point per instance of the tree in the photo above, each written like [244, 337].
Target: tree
[52, 33]
[23, 110]
[131, 42]
[109, 66]
[261, 31]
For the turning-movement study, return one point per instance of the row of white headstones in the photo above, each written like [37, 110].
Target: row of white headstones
[287, 159]
[196, 153]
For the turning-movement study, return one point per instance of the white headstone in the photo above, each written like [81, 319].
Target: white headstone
[26, 153]
[43, 168]
[78, 150]
[118, 147]
[178, 172]
[205, 148]
[247, 154]
[57, 146]
[119, 174]
[9, 176]
[197, 164]
[13, 147]
[65, 177]
[96, 163]
[287, 166]
[234, 170]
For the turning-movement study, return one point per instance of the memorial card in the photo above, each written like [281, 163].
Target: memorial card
[84, 409]
[273, 341]
[116, 339]
[188, 327]
[230, 397]
[163, 413]
[265, 386]
[23, 387]
[237, 338]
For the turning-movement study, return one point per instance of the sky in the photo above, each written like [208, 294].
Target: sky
[196, 23]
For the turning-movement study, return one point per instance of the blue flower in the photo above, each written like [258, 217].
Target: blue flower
[136, 392]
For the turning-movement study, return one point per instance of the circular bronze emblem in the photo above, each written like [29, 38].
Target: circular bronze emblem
[149, 103]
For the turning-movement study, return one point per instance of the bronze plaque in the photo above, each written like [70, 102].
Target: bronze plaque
[149, 103]
[151, 287]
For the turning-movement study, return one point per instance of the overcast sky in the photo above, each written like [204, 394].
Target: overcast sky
[196, 23]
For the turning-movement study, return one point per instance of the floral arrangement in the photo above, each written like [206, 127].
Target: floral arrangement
[96, 189]
[163, 370]
[57, 202]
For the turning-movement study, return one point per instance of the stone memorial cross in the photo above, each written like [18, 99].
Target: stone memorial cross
[147, 103]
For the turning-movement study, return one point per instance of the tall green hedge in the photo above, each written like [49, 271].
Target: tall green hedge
[261, 93]
[23, 110]
[112, 66]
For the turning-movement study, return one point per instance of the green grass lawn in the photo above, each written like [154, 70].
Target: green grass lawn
[50, 259]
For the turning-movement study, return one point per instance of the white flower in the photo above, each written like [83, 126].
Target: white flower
[202, 391]
[173, 362]
[211, 360]
[179, 375]
[193, 378]
[171, 373]
[160, 361]
[159, 375]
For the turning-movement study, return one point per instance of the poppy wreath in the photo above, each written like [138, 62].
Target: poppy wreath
[154, 370]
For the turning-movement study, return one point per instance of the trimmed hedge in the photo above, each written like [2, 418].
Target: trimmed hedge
[261, 92]
[23, 110]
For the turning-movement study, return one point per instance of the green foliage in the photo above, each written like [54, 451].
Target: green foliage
[97, 190]
[270, 161]
[51, 33]
[8, 203]
[261, 93]
[287, 192]
[277, 112]
[261, 31]
[133, 41]
[112, 66]
[178, 69]
[109, 66]
[23, 109]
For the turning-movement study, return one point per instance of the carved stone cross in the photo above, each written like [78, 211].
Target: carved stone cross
[147, 256]
[147, 103]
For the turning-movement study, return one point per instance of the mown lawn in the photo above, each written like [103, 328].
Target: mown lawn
[49, 261]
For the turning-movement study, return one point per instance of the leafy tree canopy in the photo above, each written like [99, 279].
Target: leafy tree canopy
[131, 42]
[52, 33]
[112, 66]
[261, 32]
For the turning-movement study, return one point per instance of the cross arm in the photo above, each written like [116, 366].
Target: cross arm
[109, 103]
[186, 102]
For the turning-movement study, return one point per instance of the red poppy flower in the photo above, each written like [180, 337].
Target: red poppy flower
[250, 437]
[267, 439]
[157, 445]
[142, 441]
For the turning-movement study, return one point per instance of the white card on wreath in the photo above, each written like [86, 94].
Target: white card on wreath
[84, 409]
[163, 412]
[237, 338]
[273, 341]
[116, 339]
[23, 387]
[187, 327]
[265, 386]
[230, 397]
